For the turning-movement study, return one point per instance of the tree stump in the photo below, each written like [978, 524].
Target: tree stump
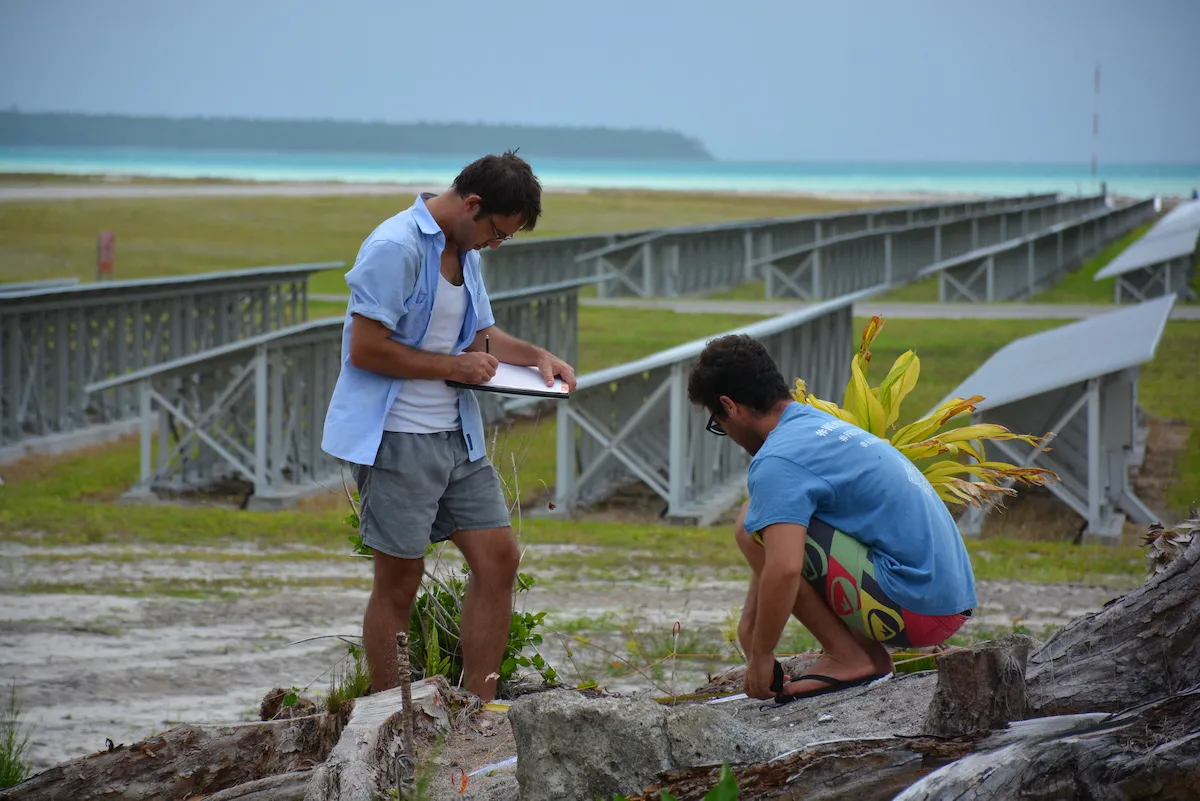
[980, 688]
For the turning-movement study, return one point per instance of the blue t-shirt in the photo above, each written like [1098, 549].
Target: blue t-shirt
[814, 464]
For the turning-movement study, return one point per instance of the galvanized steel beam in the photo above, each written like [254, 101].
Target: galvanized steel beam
[1078, 386]
[634, 423]
[1022, 267]
[833, 266]
[56, 341]
[254, 411]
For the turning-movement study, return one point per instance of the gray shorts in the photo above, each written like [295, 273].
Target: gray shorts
[422, 489]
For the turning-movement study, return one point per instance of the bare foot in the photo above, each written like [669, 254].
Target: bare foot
[841, 669]
[880, 657]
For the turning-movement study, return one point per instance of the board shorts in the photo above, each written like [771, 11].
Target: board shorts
[841, 569]
[422, 489]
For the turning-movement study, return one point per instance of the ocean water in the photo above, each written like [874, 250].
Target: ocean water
[1142, 180]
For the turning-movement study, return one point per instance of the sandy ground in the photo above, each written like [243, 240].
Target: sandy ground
[90, 666]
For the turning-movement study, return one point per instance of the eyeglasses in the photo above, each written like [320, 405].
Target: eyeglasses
[500, 236]
[714, 427]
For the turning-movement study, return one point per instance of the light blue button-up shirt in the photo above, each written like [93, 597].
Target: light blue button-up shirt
[393, 280]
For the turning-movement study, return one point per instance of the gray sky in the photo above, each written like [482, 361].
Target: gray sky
[882, 80]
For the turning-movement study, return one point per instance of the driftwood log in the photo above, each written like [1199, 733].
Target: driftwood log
[1149, 752]
[186, 762]
[1108, 708]
[1141, 646]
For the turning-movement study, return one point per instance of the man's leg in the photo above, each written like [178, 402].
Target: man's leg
[487, 611]
[474, 509]
[848, 655]
[388, 612]
[398, 502]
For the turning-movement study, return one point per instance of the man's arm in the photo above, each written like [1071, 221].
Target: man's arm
[754, 556]
[371, 348]
[510, 349]
[783, 567]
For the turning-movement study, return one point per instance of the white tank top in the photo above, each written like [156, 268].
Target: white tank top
[424, 406]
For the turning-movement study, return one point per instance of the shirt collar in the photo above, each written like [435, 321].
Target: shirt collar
[424, 219]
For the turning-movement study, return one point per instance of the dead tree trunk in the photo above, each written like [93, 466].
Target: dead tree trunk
[1141, 646]
[186, 762]
[1151, 751]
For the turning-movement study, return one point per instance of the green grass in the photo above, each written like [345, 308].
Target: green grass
[71, 499]
[14, 768]
[1170, 387]
[751, 290]
[923, 291]
[178, 236]
[1075, 287]
[1080, 287]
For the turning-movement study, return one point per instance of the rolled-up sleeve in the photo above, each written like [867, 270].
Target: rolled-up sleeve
[382, 280]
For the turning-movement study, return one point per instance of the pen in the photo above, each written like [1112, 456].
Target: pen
[487, 344]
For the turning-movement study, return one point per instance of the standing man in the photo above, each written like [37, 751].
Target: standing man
[418, 316]
[841, 530]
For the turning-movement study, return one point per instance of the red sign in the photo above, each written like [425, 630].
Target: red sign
[106, 245]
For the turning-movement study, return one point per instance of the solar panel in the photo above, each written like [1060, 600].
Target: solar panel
[1146, 252]
[1063, 356]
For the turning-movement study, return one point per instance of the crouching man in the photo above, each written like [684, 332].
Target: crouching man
[419, 316]
[840, 530]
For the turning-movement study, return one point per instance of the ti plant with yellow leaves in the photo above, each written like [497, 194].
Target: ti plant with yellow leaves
[876, 410]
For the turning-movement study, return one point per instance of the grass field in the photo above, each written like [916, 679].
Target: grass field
[72, 499]
[177, 236]
[1076, 287]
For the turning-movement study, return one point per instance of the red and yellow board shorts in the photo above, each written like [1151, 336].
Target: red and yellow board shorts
[841, 569]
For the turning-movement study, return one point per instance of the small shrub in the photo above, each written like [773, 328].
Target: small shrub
[13, 767]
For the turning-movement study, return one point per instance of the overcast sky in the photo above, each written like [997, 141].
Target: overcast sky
[881, 80]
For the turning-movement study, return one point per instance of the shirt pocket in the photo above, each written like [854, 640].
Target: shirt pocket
[410, 329]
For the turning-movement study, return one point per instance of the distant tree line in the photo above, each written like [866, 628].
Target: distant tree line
[225, 133]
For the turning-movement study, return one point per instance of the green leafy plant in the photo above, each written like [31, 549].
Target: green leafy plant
[435, 628]
[14, 769]
[877, 409]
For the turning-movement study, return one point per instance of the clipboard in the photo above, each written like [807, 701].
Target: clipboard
[513, 379]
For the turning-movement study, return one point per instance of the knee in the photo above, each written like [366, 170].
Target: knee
[497, 564]
[396, 580]
[740, 527]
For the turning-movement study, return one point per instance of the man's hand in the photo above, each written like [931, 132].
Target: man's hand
[551, 366]
[474, 367]
[760, 672]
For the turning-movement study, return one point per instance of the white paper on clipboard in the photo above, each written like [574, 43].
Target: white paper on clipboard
[513, 379]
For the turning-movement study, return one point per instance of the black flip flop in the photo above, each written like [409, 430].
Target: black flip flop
[835, 685]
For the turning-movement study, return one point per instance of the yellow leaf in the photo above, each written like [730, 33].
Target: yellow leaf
[863, 405]
[899, 381]
[800, 393]
[924, 449]
[927, 425]
[832, 408]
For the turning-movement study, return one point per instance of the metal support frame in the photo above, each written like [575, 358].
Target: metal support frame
[1076, 386]
[689, 260]
[1091, 448]
[254, 411]
[836, 265]
[56, 341]
[1173, 276]
[633, 422]
[1022, 267]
